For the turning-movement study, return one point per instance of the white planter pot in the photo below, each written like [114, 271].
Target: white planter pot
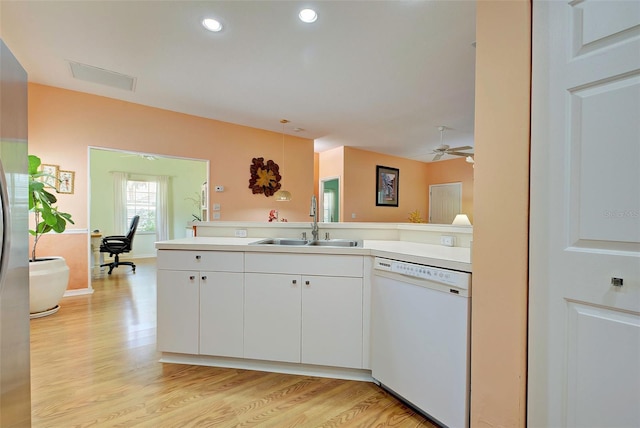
[48, 280]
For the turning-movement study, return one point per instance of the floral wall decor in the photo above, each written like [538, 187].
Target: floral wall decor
[265, 178]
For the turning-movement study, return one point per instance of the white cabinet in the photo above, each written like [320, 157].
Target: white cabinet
[178, 319]
[332, 321]
[221, 309]
[294, 308]
[272, 317]
[297, 317]
[200, 302]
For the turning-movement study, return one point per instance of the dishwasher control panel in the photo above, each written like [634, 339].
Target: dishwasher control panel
[443, 276]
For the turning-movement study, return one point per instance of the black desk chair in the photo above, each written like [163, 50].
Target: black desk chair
[118, 244]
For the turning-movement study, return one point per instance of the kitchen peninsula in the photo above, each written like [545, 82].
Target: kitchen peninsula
[211, 291]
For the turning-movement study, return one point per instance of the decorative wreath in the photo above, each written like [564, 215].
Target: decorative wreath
[264, 178]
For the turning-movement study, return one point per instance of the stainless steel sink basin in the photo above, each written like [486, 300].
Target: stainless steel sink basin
[282, 241]
[302, 242]
[334, 243]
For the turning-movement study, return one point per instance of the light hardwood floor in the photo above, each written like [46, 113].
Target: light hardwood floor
[94, 364]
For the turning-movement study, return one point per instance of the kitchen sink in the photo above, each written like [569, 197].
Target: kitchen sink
[335, 243]
[282, 241]
[301, 242]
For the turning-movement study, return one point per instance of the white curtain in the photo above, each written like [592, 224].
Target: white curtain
[162, 208]
[120, 202]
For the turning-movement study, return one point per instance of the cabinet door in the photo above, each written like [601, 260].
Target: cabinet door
[332, 321]
[272, 317]
[177, 311]
[221, 313]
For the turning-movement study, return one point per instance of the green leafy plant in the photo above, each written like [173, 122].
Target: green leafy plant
[41, 203]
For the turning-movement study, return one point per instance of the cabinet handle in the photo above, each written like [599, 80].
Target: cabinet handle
[204, 277]
[198, 257]
[294, 281]
[307, 283]
[192, 277]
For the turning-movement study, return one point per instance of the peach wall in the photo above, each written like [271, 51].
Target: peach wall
[74, 248]
[453, 171]
[62, 124]
[500, 245]
[360, 187]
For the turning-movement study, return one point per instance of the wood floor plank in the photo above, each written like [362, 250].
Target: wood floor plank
[94, 364]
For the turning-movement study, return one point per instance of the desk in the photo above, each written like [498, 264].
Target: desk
[98, 257]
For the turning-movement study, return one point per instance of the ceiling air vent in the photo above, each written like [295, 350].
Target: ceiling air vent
[102, 76]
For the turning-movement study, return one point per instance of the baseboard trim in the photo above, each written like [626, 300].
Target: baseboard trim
[78, 292]
[269, 366]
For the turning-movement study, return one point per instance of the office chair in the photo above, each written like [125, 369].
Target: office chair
[118, 244]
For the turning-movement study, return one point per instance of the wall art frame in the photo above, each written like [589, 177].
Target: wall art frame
[387, 185]
[51, 180]
[66, 181]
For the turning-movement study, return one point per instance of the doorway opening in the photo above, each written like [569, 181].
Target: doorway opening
[330, 199]
[181, 181]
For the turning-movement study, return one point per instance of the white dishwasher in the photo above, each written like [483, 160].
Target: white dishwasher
[420, 337]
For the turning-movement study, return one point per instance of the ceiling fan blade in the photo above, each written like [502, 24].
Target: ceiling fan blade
[437, 157]
[454, 149]
[459, 153]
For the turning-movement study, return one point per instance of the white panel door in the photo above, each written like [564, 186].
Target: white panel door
[445, 202]
[584, 338]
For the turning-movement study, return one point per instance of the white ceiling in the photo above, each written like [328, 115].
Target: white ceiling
[377, 75]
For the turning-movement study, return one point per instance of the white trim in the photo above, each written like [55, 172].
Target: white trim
[75, 232]
[78, 292]
[137, 152]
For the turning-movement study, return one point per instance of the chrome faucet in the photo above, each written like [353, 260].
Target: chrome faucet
[313, 212]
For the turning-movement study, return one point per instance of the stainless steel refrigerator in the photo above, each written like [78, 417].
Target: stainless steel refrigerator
[15, 389]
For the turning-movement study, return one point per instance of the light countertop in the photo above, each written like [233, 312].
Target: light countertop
[456, 258]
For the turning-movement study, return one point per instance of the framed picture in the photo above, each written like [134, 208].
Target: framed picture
[387, 186]
[52, 178]
[65, 184]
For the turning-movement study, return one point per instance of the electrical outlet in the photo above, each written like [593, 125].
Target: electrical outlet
[216, 216]
[241, 233]
[216, 207]
[447, 240]
[353, 215]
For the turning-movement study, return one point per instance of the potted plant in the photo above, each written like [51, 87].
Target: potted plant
[48, 277]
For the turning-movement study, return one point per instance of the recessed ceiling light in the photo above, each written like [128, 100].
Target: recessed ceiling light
[308, 15]
[212, 25]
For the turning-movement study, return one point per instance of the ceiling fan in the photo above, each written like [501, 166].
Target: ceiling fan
[444, 149]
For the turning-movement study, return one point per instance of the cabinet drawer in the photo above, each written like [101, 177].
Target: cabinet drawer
[305, 264]
[221, 261]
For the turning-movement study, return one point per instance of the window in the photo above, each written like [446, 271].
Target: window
[141, 200]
